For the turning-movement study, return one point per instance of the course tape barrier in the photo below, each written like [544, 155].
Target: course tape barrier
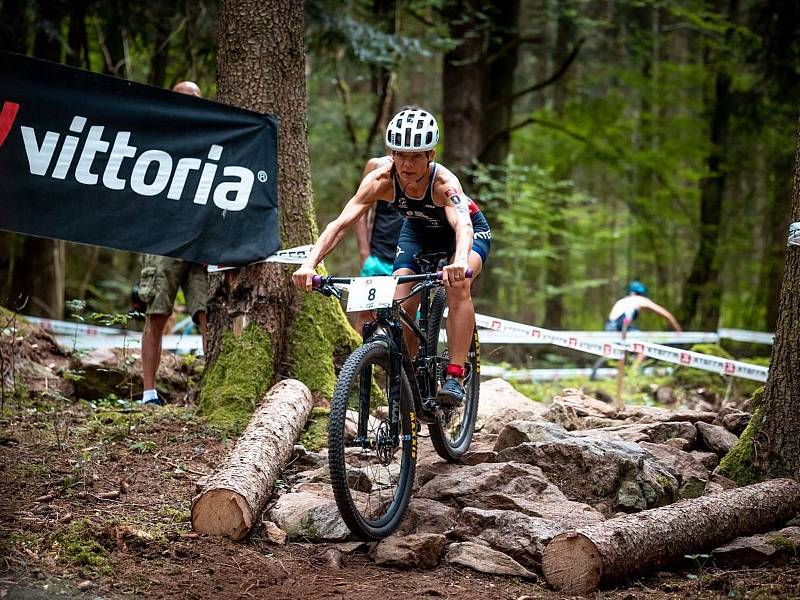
[289, 256]
[557, 374]
[658, 337]
[80, 336]
[618, 348]
[180, 344]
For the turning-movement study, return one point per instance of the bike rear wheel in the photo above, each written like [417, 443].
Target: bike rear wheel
[451, 434]
[372, 472]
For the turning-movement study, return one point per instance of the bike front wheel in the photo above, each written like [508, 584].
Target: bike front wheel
[372, 462]
[451, 434]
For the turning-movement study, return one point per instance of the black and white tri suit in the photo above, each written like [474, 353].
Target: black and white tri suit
[426, 227]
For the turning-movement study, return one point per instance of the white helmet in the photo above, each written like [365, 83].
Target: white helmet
[412, 130]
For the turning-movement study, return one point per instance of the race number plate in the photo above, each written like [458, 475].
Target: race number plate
[368, 293]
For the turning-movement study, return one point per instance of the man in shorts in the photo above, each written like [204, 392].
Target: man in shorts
[158, 286]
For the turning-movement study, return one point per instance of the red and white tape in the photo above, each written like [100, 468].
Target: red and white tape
[617, 349]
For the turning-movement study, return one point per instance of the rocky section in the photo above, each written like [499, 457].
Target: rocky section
[535, 469]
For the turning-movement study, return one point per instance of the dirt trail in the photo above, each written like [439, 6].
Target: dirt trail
[87, 541]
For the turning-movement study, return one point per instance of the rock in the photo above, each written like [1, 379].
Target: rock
[476, 457]
[310, 513]
[655, 414]
[567, 409]
[500, 403]
[713, 488]
[597, 422]
[774, 548]
[663, 394]
[485, 560]
[656, 432]
[509, 486]
[727, 484]
[708, 459]
[716, 438]
[681, 464]
[630, 497]
[85, 585]
[592, 470]
[520, 536]
[734, 421]
[421, 550]
[274, 534]
[332, 558]
[692, 487]
[424, 515]
[518, 432]
[679, 443]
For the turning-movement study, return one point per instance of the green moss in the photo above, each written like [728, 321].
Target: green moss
[321, 336]
[238, 379]
[738, 463]
[80, 549]
[781, 542]
[315, 436]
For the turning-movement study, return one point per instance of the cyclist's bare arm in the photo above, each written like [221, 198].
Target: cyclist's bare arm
[372, 187]
[660, 310]
[448, 191]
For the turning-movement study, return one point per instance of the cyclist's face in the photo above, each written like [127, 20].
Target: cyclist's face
[412, 165]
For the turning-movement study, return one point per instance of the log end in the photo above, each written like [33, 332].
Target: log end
[571, 563]
[221, 512]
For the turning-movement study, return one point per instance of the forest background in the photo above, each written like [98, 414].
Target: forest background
[605, 140]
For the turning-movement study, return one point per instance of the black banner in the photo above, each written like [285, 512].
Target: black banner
[99, 160]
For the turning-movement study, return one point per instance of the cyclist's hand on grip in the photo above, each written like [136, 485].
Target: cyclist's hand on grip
[303, 278]
[455, 273]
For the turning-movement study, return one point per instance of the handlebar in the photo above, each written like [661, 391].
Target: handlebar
[319, 280]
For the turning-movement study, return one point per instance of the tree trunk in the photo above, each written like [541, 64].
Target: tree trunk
[577, 562]
[259, 326]
[498, 82]
[770, 445]
[775, 233]
[702, 293]
[39, 268]
[233, 497]
[462, 85]
[556, 269]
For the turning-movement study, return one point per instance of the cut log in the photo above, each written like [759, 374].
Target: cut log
[234, 496]
[577, 562]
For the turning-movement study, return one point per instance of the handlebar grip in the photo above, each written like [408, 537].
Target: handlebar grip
[440, 274]
[316, 281]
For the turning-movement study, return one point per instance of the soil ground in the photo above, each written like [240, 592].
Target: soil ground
[117, 525]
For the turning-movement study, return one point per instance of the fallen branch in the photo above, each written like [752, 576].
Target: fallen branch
[234, 496]
[577, 562]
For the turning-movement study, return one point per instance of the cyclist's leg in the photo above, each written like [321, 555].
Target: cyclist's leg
[461, 313]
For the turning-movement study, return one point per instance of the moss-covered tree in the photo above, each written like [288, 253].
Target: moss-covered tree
[770, 446]
[261, 329]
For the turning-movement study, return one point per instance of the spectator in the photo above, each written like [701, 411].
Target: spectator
[159, 282]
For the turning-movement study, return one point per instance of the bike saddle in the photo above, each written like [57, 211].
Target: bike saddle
[430, 261]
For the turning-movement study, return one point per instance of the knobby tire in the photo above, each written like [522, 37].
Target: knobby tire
[373, 355]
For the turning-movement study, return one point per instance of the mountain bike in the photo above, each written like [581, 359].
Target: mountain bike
[382, 396]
